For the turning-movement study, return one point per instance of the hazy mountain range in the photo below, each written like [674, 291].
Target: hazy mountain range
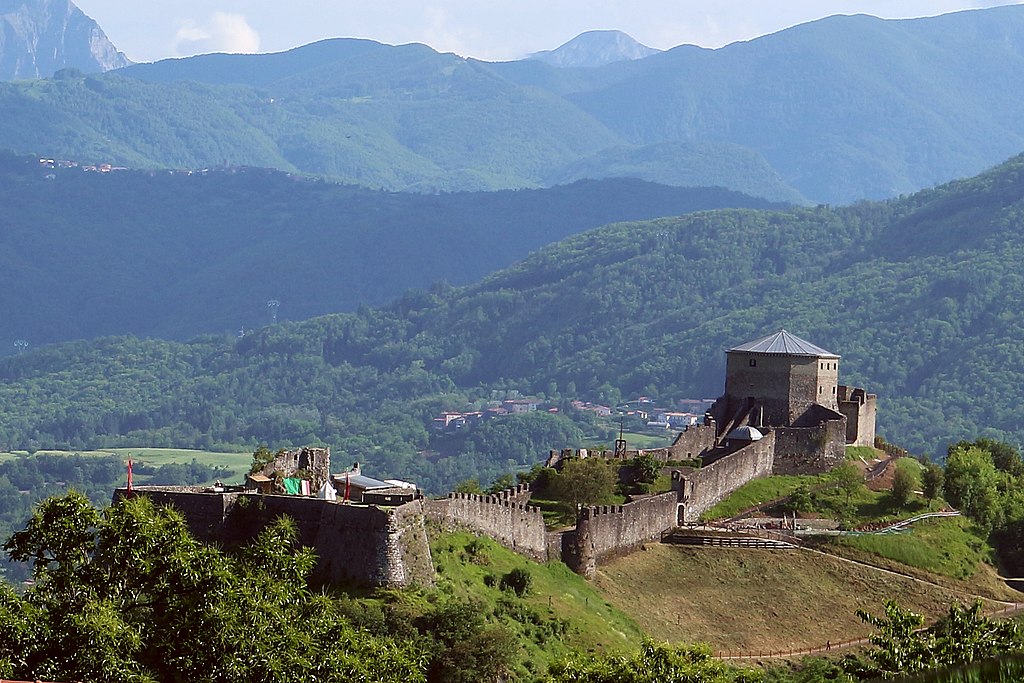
[836, 110]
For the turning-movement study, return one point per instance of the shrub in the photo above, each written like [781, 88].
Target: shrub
[518, 581]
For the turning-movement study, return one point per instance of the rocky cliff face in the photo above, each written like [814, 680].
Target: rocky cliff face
[595, 48]
[39, 37]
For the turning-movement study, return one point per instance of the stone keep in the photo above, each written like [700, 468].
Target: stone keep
[784, 375]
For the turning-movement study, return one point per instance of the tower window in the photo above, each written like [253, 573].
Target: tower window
[753, 362]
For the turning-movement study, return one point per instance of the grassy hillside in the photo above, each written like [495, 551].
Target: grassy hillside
[567, 612]
[756, 600]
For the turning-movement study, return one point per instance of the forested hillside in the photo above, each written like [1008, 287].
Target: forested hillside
[840, 109]
[174, 255]
[921, 296]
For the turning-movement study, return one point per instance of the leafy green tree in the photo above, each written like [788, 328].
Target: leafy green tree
[128, 594]
[970, 484]
[848, 479]
[1005, 457]
[800, 499]
[904, 483]
[932, 479]
[899, 647]
[466, 649]
[645, 469]
[588, 481]
[902, 646]
[469, 486]
[503, 482]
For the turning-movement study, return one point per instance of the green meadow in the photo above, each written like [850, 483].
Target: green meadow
[236, 463]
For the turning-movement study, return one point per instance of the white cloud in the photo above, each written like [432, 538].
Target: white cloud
[223, 32]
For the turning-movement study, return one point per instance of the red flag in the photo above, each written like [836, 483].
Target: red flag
[129, 477]
[347, 488]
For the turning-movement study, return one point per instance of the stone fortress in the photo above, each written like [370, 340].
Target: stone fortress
[783, 412]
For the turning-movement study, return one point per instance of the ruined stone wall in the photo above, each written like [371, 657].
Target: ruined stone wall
[516, 525]
[693, 442]
[365, 544]
[608, 530]
[316, 461]
[860, 409]
[810, 450]
[702, 488]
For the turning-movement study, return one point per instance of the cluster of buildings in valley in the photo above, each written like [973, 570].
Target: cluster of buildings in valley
[94, 168]
[452, 421]
[684, 413]
[54, 164]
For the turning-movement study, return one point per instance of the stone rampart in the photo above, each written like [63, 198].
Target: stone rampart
[702, 488]
[694, 442]
[608, 530]
[810, 450]
[506, 517]
[360, 543]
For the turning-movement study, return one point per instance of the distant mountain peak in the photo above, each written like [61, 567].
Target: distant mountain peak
[595, 48]
[40, 37]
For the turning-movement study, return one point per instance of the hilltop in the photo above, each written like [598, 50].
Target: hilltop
[840, 109]
[921, 296]
[595, 48]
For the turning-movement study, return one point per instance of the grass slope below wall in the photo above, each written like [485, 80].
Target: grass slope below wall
[561, 612]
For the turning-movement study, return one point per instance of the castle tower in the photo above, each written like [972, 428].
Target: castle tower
[784, 376]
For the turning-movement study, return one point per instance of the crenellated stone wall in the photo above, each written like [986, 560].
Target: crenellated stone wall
[506, 517]
[702, 488]
[605, 531]
[693, 442]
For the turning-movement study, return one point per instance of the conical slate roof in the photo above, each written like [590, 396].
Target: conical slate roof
[783, 343]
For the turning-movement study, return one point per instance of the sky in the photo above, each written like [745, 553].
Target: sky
[147, 30]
